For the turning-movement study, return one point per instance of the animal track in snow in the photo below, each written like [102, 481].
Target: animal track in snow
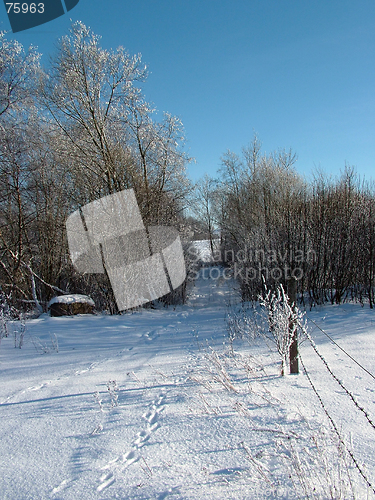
[130, 458]
[152, 415]
[106, 480]
[143, 436]
[36, 388]
[62, 486]
[123, 461]
[89, 368]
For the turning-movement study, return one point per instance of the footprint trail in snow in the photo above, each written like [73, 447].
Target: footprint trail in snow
[123, 461]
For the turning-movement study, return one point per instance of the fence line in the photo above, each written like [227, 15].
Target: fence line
[350, 453]
[343, 350]
[339, 381]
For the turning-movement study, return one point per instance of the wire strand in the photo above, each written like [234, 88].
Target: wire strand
[335, 427]
[360, 408]
[343, 350]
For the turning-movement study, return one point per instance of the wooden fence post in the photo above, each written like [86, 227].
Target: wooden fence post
[293, 350]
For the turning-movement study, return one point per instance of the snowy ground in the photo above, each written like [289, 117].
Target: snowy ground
[155, 405]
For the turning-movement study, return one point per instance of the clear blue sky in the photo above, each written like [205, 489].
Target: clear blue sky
[299, 73]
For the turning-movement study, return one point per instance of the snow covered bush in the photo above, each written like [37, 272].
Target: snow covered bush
[241, 323]
[283, 320]
[19, 333]
[7, 314]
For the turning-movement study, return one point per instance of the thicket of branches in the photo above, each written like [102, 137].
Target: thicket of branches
[80, 128]
[275, 225]
[71, 132]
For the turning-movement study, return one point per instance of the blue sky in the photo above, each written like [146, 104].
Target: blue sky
[301, 74]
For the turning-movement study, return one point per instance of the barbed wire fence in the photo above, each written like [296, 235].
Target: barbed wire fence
[337, 345]
[241, 324]
[369, 482]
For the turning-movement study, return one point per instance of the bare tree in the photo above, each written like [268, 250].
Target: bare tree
[260, 213]
[204, 205]
[158, 173]
[324, 230]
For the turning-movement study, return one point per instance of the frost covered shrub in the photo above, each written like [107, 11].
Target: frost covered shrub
[241, 323]
[7, 313]
[283, 319]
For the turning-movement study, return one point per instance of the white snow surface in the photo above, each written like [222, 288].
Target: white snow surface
[156, 405]
[71, 299]
[201, 251]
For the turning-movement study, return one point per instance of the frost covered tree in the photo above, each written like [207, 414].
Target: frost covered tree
[260, 212]
[158, 165]
[321, 232]
[18, 69]
[69, 134]
[93, 96]
[89, 92]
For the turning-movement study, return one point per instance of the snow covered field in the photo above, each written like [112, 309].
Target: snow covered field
[155, 405]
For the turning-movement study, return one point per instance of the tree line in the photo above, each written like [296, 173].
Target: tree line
[274, 225]
[80, 128]
[73, 131]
